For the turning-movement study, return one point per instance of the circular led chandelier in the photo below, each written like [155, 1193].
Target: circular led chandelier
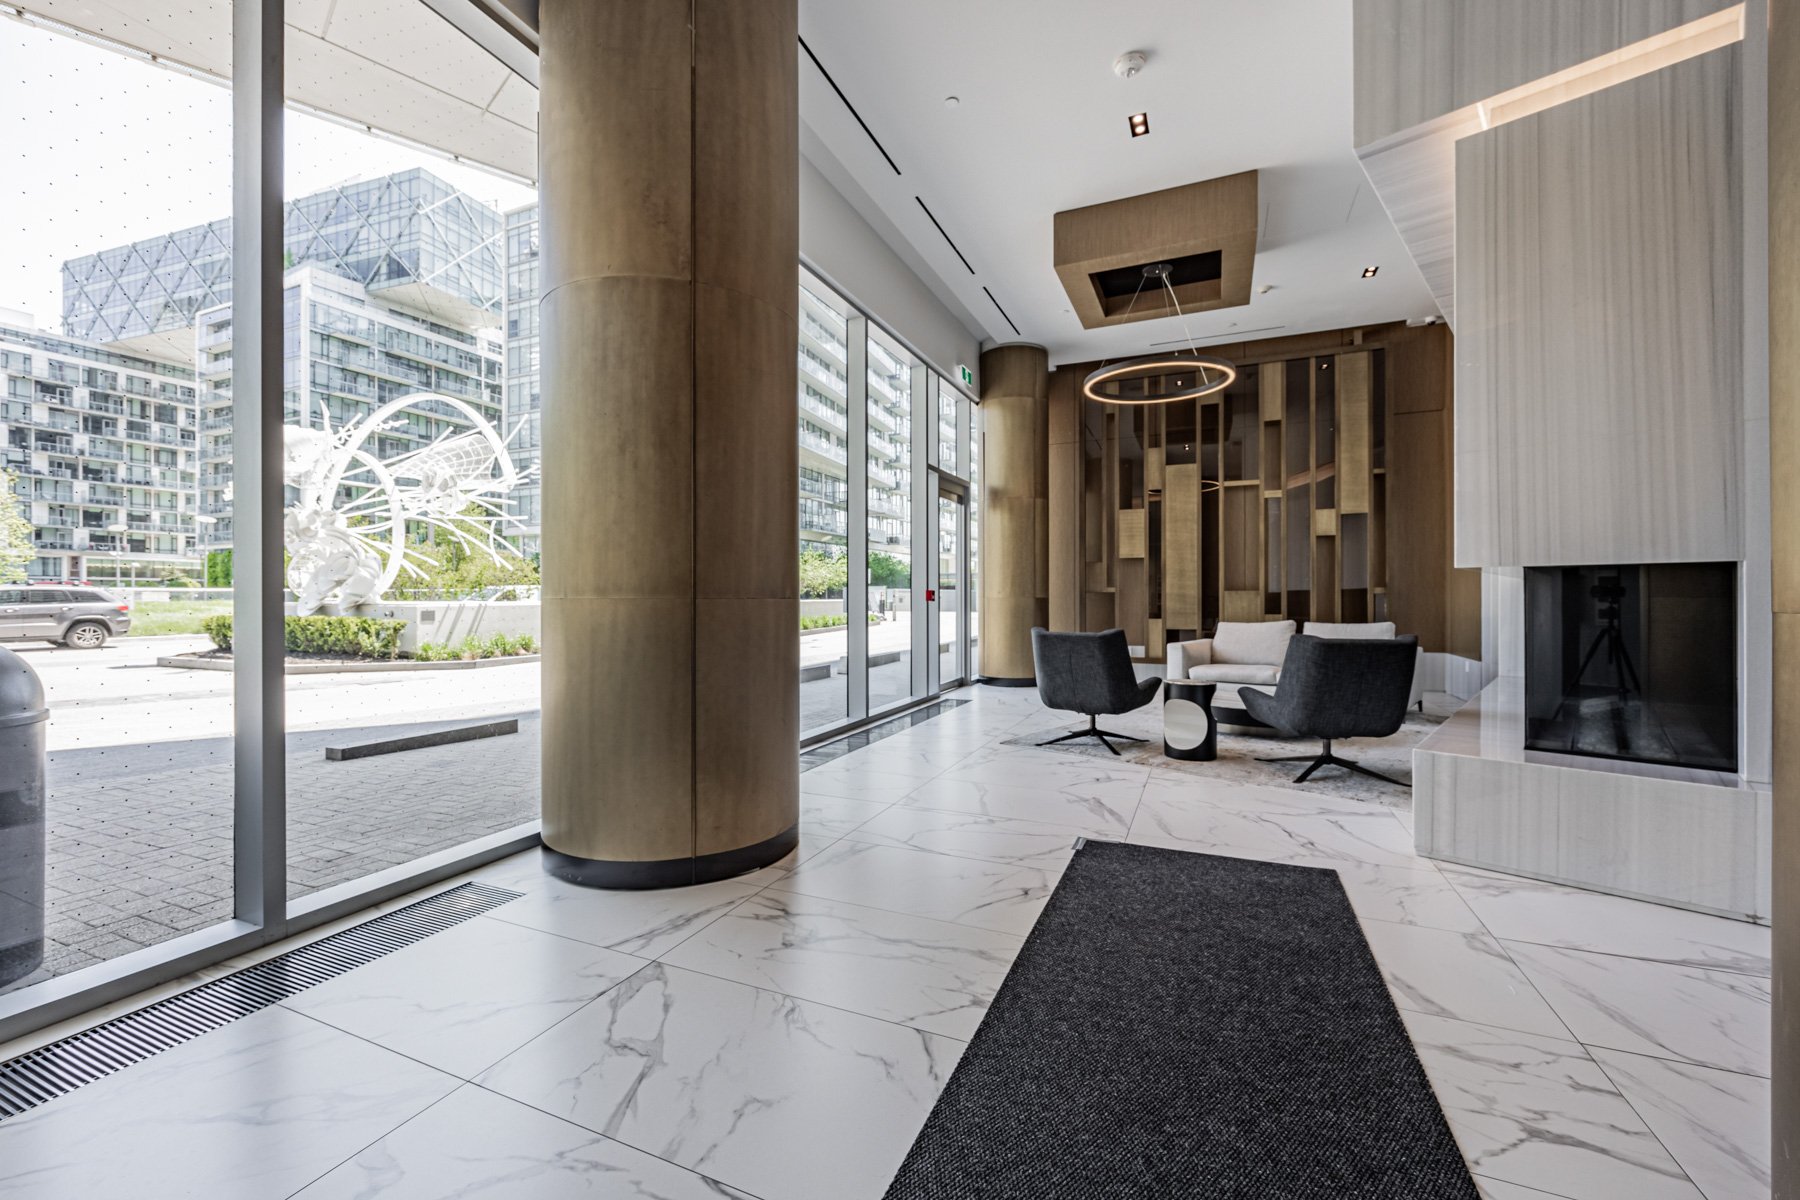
[1160, 378]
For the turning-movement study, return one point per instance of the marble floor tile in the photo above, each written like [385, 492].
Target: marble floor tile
[1050, 770]
[642, 923]
[255, 1109]
[462, 999]
[855, 783]
[831, 817]
[1182, 823]
[1103, 812]
[780, 1097]
[967, 835]
[917, 761]
[1201, 790]
[932, 975]
[1715, 1123]
[1463, 975]
[476, 1145]
[922, 884]
[1494, 1189]
[1539, 1112]
[1530, 910]
[1406, 896]
[1714, 1018]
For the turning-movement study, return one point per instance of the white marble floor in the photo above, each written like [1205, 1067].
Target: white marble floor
[782, 1036]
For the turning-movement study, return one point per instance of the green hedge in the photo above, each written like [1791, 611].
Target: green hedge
[336, 637]
[470, 648]
[833, 620]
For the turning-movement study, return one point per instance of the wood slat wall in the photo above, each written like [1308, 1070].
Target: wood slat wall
[1376, 522]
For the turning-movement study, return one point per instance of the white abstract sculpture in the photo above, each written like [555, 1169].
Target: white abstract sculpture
[347, 532]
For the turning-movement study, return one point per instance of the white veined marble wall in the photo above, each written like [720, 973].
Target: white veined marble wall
[1419, 59]
[1599, 369]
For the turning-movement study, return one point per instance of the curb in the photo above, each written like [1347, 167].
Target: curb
[187, 663]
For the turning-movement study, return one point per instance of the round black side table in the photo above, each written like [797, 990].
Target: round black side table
[1189, 730]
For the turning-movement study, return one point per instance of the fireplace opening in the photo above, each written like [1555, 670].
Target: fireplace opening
[1634, 662]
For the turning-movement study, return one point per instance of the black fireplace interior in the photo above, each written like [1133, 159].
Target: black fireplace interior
[1634, 662]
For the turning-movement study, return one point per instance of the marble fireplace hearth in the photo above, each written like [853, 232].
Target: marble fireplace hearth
[1693, 838]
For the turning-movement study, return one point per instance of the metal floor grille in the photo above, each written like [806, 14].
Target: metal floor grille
[54, 1070]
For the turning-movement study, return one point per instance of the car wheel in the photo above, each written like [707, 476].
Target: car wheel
[85, 635]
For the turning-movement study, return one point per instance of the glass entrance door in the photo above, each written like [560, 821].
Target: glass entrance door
[949, 594]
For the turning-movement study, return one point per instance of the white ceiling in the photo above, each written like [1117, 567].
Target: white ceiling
[1231, 85]
[393, 65]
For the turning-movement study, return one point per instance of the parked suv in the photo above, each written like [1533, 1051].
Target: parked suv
[81, 617]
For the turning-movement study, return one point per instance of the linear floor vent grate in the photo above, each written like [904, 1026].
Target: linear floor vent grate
[41, 1075]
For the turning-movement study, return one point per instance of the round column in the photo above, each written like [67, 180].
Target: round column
[668, 195]
[1015, 534]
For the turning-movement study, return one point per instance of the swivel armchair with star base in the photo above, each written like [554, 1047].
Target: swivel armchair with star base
[1335, 688]
[1089, 673]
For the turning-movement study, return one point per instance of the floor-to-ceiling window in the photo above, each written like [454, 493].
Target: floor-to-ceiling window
[131, 845]
[825, 386]
[876, 427]
[890, 612]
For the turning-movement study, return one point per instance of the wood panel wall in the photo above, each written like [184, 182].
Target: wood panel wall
[1160, 540]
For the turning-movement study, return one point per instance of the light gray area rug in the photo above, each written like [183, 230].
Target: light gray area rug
[1239, 752]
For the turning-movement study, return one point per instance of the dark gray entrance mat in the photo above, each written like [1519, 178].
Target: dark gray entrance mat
[1184, 1025]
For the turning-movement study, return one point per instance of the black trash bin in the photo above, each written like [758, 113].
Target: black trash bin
[22, 726]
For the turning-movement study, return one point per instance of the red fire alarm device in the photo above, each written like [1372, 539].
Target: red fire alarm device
[930, 594]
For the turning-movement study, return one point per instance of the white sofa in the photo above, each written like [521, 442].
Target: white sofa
[1249, 653]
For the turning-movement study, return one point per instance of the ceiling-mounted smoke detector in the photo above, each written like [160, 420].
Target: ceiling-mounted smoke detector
[1129, 63]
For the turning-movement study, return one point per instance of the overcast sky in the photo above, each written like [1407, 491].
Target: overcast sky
[98, 149]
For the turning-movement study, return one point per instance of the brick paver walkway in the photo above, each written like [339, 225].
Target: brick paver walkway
[140, 836]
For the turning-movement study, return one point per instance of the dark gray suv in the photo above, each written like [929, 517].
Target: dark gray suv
[66, 615]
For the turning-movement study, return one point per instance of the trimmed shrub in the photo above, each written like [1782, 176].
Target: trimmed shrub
[334, 637]
[218, 629]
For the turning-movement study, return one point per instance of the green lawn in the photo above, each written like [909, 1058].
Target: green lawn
[173, 616]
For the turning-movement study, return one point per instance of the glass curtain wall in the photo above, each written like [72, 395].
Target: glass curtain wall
[875, 425]
[824, 348]
[409, 402]
[890, 523]
[132, 846]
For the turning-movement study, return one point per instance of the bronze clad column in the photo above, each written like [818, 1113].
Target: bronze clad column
[1015, 544]
[1784, 481]
[668, 193]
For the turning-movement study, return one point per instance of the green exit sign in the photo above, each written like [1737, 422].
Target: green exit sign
[967, 376]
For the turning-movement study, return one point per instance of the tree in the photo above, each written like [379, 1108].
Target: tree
[16, 547]
[462, 568]
[218, 568]
[821, 574]
[887, 570]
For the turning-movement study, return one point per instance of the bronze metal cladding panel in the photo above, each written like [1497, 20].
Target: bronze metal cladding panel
[746, 460]
[1242, 606]
[1355, 380]
[617, 455]
[746, 721]
[615, 150]
[1242, 538]
[1418, 515]
[1065, 550]
[1015, 528]
[1009, 603]
[1133, 540]
[1213, 214]
[618, 715]
[1181, 548]
[1015, 370]
[1784, 451]
[746, 150]
[1271, 382]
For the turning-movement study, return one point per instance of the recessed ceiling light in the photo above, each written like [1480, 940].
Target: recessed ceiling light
[951, 101]
[1369, 272]
[1140, 124]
